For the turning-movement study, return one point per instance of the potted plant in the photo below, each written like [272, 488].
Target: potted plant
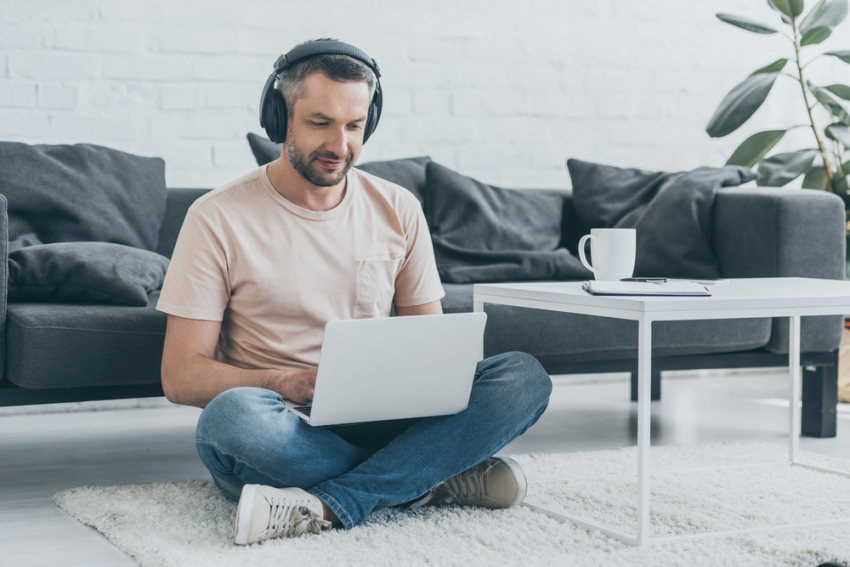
[825, 166]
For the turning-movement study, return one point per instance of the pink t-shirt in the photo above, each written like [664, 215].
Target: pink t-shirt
[274, 273]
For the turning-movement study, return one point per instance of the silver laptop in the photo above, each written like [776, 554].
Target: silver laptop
[395, 368]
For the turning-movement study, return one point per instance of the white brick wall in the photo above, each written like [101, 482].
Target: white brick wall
[503, 90]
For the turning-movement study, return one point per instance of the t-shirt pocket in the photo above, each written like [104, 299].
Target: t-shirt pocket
[376, 285]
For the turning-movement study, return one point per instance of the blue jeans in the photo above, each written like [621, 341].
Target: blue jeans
[247, 436]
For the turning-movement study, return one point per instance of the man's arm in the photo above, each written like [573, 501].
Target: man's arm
[191, 376]
[433, 308]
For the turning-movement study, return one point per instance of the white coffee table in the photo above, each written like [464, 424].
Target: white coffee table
[738, 299]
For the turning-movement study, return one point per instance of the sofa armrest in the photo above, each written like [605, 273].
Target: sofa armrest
[4, 279]
[178, 203]
[772, 232]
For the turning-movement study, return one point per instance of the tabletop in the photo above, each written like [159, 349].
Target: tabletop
[754, 296]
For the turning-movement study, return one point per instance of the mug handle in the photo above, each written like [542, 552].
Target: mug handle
[581, 254]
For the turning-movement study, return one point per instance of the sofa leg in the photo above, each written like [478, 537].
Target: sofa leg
[820, 400]
[655, 388]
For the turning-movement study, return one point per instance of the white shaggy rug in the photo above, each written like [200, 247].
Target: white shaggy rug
[189, 523]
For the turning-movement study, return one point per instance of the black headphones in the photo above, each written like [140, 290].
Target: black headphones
[273, 106]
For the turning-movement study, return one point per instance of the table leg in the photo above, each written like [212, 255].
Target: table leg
[796, 385]
[644, 419]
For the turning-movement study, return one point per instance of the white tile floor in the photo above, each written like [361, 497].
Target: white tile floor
[41, 454]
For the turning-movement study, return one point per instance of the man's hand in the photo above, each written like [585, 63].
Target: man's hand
[295, 385]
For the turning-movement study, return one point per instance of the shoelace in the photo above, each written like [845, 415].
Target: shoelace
[292, 517]
[467, 484]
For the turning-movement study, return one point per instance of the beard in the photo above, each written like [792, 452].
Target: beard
[304, 165]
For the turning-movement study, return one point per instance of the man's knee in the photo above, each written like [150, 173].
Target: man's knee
[231, 412]
[534, 376]
[528, 378]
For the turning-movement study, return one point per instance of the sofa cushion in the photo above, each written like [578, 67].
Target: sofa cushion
[672, 212]
[84, 272]
[407, 172]
[264, 150]
[179, 201]
[483, 233]
[572, 337]
[603, 194]
[82, 192]
[66, 345]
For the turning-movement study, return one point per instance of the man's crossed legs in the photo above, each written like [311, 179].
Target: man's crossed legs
[246, 436]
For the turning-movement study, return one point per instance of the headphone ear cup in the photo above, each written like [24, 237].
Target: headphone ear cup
[374, 111]
[371, 121]
[281, 121]
[271, 106]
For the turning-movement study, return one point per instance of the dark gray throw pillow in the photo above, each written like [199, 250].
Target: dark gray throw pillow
[483, 233]
[407, 172]
[83, 192]
[84, 272]
[671, 212]
[264, 150]
[603, 193]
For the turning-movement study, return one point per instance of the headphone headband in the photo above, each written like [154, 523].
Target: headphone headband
[324, 48]
[273, 112]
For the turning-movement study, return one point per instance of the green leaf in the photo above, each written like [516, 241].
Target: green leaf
[755, 147]
[816, 178]
[832, 105]
[746, 24]
[841, 91]
[741, 102]
[780, 169]
[785, 18]
[839, 133]
[843, 55]
[825, 13]
[791, 8]
[815, 36]
[774, 67]
[839, 181]
[806, 22]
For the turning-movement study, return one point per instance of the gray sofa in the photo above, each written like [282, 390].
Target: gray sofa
[71, 352]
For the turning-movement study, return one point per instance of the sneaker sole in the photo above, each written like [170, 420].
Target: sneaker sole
[519, 475]
[243, 520]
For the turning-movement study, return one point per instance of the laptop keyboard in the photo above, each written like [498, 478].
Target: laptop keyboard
[304, 409]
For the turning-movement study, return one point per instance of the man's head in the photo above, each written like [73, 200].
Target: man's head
[327, 102]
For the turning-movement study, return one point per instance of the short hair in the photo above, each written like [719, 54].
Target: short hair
[339, 68]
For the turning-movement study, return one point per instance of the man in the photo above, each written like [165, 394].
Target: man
[261, 264]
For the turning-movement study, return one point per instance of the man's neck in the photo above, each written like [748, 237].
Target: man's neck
[301, 192]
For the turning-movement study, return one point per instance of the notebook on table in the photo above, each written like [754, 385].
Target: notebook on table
[604, 287]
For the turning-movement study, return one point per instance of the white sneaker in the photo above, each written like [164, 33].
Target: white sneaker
[498, 482]
[265, 512]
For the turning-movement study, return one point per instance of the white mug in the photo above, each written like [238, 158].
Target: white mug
[613, 252]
